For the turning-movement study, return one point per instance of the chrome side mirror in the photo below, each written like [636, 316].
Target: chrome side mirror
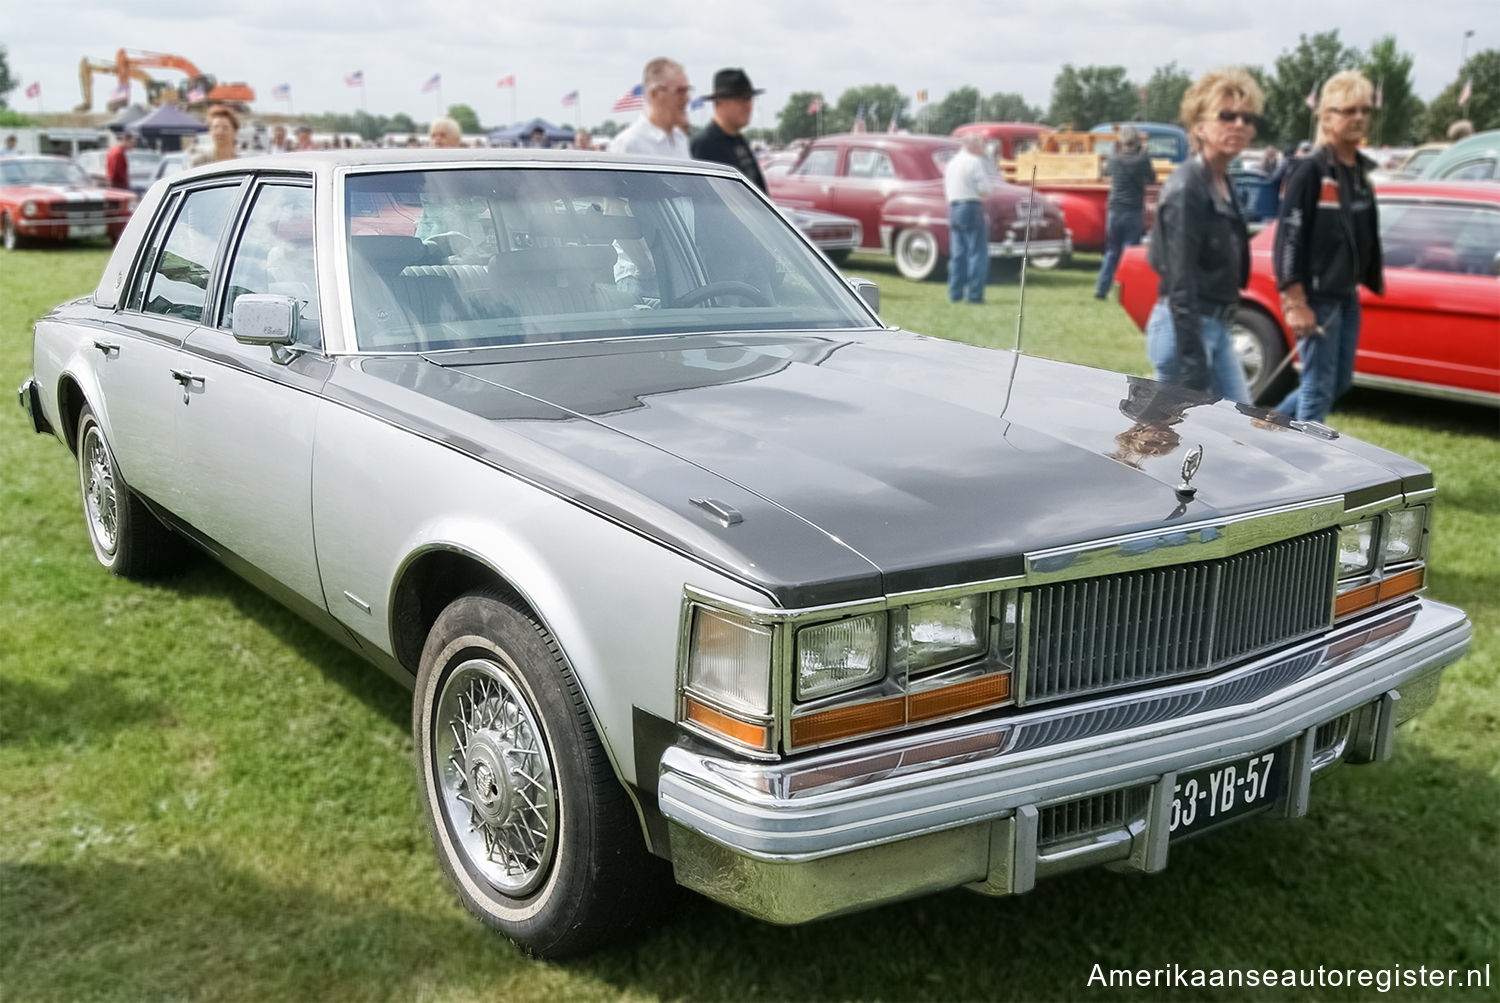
[867, 291]
[264, 319]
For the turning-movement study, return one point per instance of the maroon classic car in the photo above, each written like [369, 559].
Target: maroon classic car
[53, 199]
[1435, 332]
[894, 186]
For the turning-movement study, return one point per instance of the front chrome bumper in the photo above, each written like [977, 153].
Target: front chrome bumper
[1014, 246]
[958, 806]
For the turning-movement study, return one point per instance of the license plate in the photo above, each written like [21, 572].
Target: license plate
[1213, 795]
[77, 232]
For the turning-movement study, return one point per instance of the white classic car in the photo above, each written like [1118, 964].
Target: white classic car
[697, 570]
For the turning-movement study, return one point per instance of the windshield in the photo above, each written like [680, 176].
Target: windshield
[42, 172]
[442, 259]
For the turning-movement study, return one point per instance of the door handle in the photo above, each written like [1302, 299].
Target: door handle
[107, 348]
[187, 380]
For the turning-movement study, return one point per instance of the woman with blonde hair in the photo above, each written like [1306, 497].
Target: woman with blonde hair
[1327, 246]
[1200, 246]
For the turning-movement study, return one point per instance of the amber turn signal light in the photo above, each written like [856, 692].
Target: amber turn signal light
[757, 736]
[1366, 596]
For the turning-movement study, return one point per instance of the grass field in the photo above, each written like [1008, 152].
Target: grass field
[203, 798]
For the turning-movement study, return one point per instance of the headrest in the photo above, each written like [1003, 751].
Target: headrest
[384, 249]
[587, 227]
[539, 261]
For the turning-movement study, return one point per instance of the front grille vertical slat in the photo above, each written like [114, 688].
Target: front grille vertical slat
[1098, 634]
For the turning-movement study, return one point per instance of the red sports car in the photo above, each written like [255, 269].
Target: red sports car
[893, 185]
[1436, 331]
[53, 199]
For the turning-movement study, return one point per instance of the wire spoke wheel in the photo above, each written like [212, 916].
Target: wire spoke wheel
[496, 778]
[101, 501]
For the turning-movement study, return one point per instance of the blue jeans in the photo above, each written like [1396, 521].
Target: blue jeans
[969, 247]
[1121, 230]
[1327, 358]
[1225, 374]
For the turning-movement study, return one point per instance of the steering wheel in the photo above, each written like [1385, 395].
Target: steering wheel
[724, 287]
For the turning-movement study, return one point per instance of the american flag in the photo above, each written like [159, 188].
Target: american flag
[196, 95]
[570, 98]
[895, 113]
[281, 92]
[633, 100]
[814, 106]
[1312, 96]
[120, 93]
[859, 119]
[35, 90]
[509, 81]
[1463, 95]
[433, 84]
[355, 79]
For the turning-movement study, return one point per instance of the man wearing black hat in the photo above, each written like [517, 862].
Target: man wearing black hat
[721, 140]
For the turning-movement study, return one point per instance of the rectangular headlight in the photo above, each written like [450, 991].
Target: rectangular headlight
[729, 660]
[947, 632]
[1403, 535]
[1356, 548]
[834, 657]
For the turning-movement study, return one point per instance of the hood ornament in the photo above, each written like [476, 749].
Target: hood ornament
[1190, 465]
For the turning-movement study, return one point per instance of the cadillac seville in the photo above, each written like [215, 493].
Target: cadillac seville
[698, 571]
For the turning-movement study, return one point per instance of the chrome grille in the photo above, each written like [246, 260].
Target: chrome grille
[1101, 634]
[78, 210]
[1086, 816]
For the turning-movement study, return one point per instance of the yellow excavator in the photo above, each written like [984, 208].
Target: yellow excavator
[156, 90]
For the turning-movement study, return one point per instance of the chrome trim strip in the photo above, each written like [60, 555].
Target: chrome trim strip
[895, 789]
[1421, 389]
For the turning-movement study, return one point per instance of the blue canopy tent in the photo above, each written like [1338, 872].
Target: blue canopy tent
[520, 134]
[164, 128]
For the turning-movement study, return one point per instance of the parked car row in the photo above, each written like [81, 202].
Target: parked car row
[1436, 331]
[699, 572]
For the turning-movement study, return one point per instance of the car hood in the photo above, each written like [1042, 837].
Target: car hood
[72, 193]
[824, 469]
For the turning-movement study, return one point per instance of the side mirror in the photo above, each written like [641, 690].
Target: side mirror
[867, 291]
[264, 319]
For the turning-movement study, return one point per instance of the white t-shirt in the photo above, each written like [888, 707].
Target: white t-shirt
[644, 139]
[965, 178]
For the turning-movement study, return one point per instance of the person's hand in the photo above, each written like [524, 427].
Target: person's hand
[1300, 318]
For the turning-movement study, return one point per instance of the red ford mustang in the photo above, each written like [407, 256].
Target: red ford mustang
[52, 198]
[1436, 331]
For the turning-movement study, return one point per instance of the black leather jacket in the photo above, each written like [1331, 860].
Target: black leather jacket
[1315, 244]
[1200, 249]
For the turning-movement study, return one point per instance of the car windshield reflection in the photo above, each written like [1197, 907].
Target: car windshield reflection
[452, 259]
[42, 172]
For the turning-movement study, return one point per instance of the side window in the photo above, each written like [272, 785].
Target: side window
[275, 255]
[1439, 238]
[819, 163]
[1472, 170]
[178, 284]
[870, 164]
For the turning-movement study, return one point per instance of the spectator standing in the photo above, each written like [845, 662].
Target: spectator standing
[279, 142]
[117, 161]
[538, 139]
[1130, 171]
[582, 140]
[223, 135]
[1327, 246]
[9, 149]
[723, 140]
[304, 137]
[662, 129]
[1200, 247]
[1460, 129]
[966, 181]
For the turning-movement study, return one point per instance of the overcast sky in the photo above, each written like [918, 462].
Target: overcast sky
[597, 47]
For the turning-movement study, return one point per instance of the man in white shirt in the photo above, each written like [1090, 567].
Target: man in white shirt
[966, 181]
[662, 130]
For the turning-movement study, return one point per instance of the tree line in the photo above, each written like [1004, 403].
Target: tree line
[1085, 96]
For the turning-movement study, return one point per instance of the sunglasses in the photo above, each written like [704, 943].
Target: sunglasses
[1247, 117]
[1352, 110]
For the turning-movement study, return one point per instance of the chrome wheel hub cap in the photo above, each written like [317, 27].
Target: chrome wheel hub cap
[1247, 349]
[100, 502]
[495, 777]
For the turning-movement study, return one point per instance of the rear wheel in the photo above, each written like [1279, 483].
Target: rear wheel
[126, 537]
[1258, 343]
[917, 254]
[528, 819]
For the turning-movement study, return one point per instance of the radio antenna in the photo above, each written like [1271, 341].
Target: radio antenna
[1025, 255]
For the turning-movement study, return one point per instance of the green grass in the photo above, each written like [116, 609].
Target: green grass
[203, 798]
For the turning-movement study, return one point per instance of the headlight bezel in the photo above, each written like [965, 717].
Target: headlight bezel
[1387, 575]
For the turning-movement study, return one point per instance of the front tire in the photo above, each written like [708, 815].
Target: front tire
[917, 254]
[127, 538]
[1260, 346]
[527, 817]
